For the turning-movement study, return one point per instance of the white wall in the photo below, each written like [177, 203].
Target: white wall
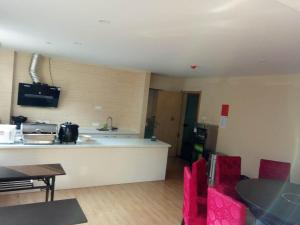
[264, 117]
[166, 83]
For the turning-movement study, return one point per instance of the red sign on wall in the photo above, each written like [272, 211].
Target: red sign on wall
[225, 110]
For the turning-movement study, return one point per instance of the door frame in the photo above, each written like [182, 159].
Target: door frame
[183, 109]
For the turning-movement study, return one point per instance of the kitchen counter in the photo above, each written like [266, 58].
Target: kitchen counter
[104, 161]
[96, 143]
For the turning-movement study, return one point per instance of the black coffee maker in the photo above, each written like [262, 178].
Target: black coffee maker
[68, 132]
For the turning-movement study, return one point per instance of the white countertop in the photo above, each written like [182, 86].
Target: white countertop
[97, 143]
[93, 130]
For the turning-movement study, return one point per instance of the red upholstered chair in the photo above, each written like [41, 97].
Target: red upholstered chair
[199, 175]
[193, 213]
[274, 170]
[228, 172]
[224, 210]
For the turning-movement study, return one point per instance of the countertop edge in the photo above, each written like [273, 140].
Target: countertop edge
[94, 131]
[140, 143]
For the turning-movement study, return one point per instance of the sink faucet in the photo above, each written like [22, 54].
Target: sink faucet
[109, 126]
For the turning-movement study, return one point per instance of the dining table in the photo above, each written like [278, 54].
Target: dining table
[61, 212]
[271, 201]
[22, 177]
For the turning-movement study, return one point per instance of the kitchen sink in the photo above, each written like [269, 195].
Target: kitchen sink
[106, 129]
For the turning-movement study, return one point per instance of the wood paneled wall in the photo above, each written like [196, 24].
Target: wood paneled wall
[120, 93]
[6, 80]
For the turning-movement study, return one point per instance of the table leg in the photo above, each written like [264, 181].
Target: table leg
[52, 188]
[47, 181]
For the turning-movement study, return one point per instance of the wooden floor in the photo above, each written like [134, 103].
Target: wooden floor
[148, 203]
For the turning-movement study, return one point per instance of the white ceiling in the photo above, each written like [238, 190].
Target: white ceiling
[223, 37]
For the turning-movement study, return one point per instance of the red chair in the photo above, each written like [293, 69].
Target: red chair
[224, 210]
[193, 213]
[228, 173]
[274, 170]
[199, 175]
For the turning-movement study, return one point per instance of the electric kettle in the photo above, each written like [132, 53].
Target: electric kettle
[68, 132]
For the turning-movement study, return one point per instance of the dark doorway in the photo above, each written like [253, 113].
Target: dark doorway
[190, 120]
[151, 113]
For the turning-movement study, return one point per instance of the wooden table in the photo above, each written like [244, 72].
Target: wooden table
[16, 178]
[62, 212]
[271, 200]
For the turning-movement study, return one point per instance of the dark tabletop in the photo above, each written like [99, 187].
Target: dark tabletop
[63, 212]
[280, 200]
[10, 173]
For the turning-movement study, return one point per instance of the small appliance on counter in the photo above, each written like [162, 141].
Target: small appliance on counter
[38, 133]
[7, 134]
[68, 132]
[18, 120]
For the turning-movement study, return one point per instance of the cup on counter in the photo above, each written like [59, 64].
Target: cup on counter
[85, 138]
[153, 138]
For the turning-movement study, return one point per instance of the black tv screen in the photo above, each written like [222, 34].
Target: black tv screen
[39, 95]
